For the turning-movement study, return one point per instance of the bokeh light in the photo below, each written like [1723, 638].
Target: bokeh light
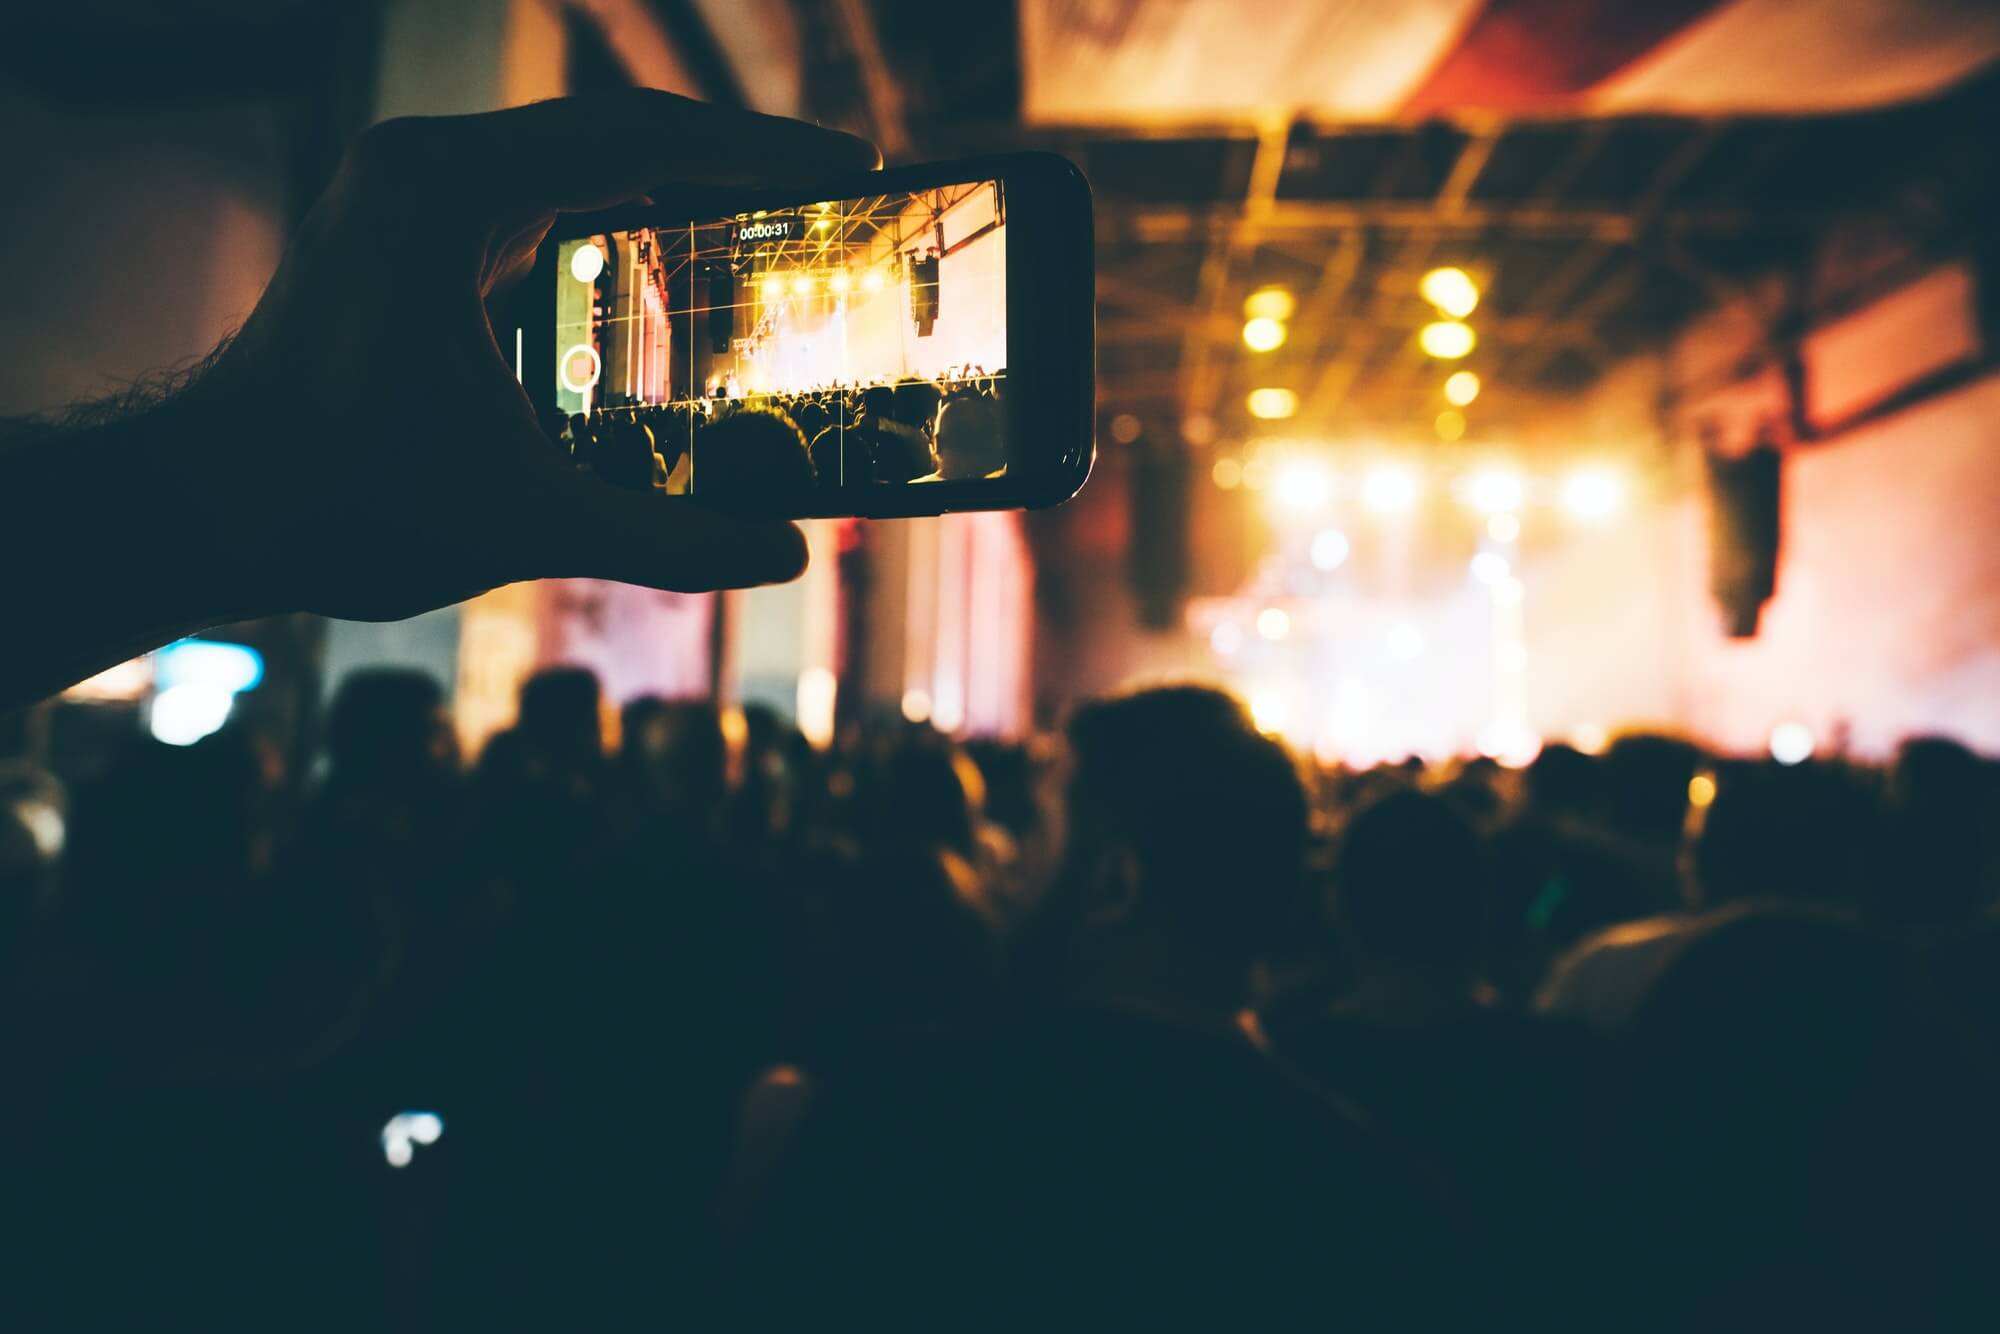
[1329, 549]
[1272, 404]
[1494, 491]
[1390, 490]
[1791, 743]
[1269, 303]
[1451, 290]
[1274, 623]
[1447, 340]
[1263, 334]
[1460, 388]
[586, 262]
[1594, 493]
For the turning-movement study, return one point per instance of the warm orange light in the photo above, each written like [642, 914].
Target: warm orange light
[1701, 791]
[1460, 388]
[872, 280]
[1269, 303]
[1451, 290]
[1264, 334]
[840, 281]
[1450, 424]
[1447, 340]
[1272, 404]
[774, 287]
[1228, 473]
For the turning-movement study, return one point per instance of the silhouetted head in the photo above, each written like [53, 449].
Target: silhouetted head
[1930, 859]
[1777, 832]
[878, 403]
[388, 730]
[1411, 882]
[756, 459]
[930, 792]
[916, 403]
[561, 714]
[1181, 812]
[1561, 780]
[970, 443]
[1644, 781]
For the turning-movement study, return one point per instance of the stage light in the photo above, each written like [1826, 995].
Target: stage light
[917, 704]
[1267, 711]
[580, 368]
[1329, 549]
[1264, 334]
[1269, 303]
[872, 280]
[1494, 491]
[1406, 642]
[1447, 340]
[1274, 623]
[234, 668]
[1791, 743]
[822, 224]
[1451, 290]
[1256, 474]
[818, 691]
[774, 287]
[1701, 791]
[840, 281]
[1272, 404]
[1390, 490]
[1198, 429]
[586, 262]
[1450, 424]
[1302, 485]
[1513, 744]
[1125, 428]
[1226, 638]
[1228, 473]
[761, 213]
[184, 714]
[1595, 493]
[1489, 567]
[802, 282]
[1460, 388]
[1503, 528]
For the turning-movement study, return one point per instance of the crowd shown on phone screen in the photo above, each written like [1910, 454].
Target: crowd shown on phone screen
[776, 450]
[1141, 1025]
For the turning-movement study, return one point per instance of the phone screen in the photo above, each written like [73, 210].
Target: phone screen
[777, 358]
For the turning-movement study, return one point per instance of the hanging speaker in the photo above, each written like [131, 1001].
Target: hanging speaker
[1744, 535]
[721, 311]
[924, 293]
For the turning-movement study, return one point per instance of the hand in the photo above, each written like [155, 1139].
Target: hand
[362, 449]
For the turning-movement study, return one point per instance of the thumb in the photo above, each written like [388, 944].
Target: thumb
[604, 532]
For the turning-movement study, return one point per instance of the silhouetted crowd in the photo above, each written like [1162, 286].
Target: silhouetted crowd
[773, 450]
[1139, 1027]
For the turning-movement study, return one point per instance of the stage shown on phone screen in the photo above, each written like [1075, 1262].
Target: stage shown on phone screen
[848, 343]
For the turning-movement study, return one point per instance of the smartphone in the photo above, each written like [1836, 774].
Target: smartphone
[912, 341]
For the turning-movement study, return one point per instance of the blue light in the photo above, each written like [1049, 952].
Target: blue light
[233, 668]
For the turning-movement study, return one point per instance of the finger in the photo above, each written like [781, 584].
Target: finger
[603, 532]
[591, 152]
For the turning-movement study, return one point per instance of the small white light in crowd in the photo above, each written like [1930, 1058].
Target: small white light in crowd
[1460, 388]
[1125, 428]
[1226, 638]
[917, 704]
[817, 693]
[1791, 743]
[1269, 303]
[404, 1131]
[1590, 738]
[1302, 485]
[1267, 710]
[1406, 642]
[1595, 493]
[1494, 491]
[1503, 528]
[840, 281]
[1451, 290]
[1228, 472]
[1329, 549]
[1263, 334]
[184, 714]
[1389, 490]
[1272, 404]
[586, 263]
[872, 280]
[1513, 744]
[1489, 567]
[1274, 623]
[1447, 340]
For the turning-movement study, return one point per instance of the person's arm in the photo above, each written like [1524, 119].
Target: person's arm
[361, 448]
